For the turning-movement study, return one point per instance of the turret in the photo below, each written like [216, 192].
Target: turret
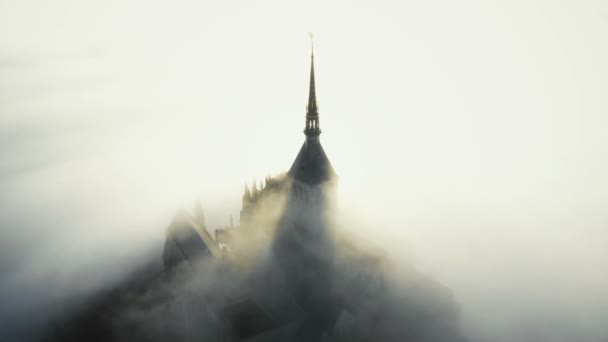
[254, 189]
[246, 196]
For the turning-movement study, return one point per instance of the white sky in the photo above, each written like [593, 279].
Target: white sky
[471, 132]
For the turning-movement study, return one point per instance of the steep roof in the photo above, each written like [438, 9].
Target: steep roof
[312, 165]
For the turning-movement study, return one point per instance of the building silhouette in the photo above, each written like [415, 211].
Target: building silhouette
[285, 218]
[279, 275]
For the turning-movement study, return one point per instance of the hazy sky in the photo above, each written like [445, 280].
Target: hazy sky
[469, 136]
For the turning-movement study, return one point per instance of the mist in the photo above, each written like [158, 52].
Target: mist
[483, 165]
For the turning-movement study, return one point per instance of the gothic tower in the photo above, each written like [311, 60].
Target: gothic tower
[303, 244]
[311, 167]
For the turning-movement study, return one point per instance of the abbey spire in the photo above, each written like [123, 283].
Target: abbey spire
[312, 167]
[312, 110]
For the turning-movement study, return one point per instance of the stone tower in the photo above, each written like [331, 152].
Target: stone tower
[303, 244]
[311, 173]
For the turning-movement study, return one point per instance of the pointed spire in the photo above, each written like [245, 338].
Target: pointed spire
[312, 110]
[254, 189]
[246, 195]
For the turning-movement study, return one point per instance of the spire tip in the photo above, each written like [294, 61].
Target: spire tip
[312, 45]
